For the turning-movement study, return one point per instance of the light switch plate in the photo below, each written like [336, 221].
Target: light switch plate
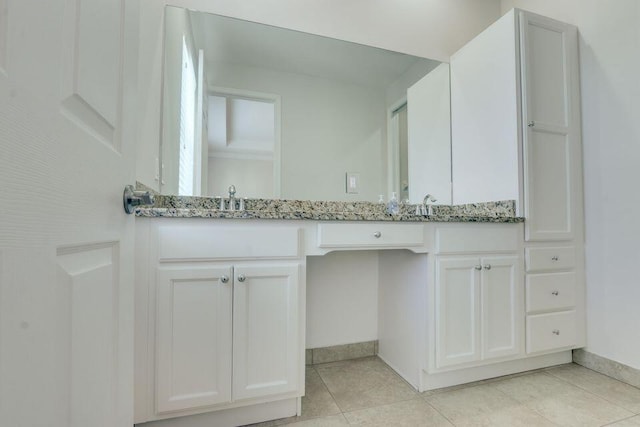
[353, 183]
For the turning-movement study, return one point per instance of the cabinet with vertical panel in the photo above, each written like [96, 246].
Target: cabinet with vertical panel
[225, 333]
[479, 309]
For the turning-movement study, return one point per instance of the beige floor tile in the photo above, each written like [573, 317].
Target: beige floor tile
[612, 390]
[364, 383]
[330, 421]
[317, 401]
[561, 402]
[484, 405]
[629, 422]
[410, 413]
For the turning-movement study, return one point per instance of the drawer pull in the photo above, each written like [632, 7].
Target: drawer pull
[224, 279]
[556, 332]
[487, 267]
[241, 278]
[377, 234]
[478, 267]
[555, 293]
[554, 258]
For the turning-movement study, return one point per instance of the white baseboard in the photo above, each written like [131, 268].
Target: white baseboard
[463, 376]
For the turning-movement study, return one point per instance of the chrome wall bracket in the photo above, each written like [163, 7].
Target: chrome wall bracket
[132, 198]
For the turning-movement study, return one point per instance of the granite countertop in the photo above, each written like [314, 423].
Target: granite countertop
[207, 207]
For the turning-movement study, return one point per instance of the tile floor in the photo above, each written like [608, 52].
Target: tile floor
[367, 392]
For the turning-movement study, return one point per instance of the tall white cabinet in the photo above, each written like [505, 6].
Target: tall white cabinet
[515, 105]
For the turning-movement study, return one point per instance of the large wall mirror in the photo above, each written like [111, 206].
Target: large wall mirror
[285, 114]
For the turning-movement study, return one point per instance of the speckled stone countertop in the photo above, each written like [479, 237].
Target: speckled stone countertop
[207, 207]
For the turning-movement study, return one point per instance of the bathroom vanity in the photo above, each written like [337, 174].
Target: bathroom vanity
[475, 291]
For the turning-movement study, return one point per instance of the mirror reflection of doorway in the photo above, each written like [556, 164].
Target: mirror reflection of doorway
[243, 142]
[399, 141]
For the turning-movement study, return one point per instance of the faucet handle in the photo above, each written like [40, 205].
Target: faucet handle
[232, 190]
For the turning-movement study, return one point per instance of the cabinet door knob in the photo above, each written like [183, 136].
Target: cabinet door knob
[377, 234]
[531, 124]
[487, 267]
[478, 267]
[241, 278]
[556, 332]
[554, 258]
[224, 279]
[555, 293]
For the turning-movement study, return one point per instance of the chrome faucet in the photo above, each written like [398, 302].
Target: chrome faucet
[231, 206]
[427, 207]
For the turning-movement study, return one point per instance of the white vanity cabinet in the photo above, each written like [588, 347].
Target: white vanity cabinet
[225, 333]
[479, 300]
[224, 318]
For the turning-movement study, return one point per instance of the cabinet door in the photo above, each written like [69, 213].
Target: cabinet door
[267, 331]
[502, 307]
[457, 311]
[193, 337]
[551, 134]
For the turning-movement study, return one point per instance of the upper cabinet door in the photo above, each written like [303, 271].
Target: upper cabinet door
[267, 333]
[551, 133]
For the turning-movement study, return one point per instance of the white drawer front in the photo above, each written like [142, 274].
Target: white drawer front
[485, 238]
[551, 331]
[551, 292]
[550, 259]
[200, 242]
[371, 235]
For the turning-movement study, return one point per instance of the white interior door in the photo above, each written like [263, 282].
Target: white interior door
[67, 76]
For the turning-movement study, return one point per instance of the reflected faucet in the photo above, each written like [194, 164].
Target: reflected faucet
[427, 207]
[231, 205]
[232, 198]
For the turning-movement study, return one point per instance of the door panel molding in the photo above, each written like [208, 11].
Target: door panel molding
[91, 85]
[89, 279]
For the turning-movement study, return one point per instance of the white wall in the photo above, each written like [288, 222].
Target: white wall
[328, 128]
[610, 69]
[342, 298]
[432, 29]
[253, 178]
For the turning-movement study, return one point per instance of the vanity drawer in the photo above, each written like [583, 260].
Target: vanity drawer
[551, 292]
[372, 235]
[549, 259]
[551, 331]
